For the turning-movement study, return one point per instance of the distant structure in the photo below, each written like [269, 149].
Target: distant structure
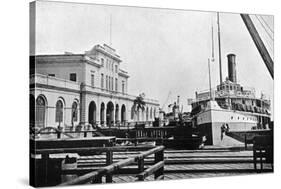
[70, 90]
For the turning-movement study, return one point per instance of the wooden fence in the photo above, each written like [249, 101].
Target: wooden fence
[108, 171]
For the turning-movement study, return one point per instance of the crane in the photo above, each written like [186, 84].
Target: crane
[259, 43]
[169, 94]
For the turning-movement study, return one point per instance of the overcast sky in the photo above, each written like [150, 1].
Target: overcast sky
[164, 51]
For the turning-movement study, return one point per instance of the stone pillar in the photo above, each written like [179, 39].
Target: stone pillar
[113, 117]
[82, 105]
[104, 116]
[120, 115]
[98, 114]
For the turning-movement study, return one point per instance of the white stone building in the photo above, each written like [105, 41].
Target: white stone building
[68, 90]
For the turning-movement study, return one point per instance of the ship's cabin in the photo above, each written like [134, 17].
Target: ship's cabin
[233, 96]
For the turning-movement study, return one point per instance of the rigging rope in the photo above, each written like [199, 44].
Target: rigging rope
[269, 44]
[264, 28]
[267, 25]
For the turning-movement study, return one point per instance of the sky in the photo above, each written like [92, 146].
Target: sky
[165, 51]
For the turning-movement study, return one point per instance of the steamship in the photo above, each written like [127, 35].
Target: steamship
[229, 104]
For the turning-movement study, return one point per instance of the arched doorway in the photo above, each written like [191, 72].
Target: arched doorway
[117, 113]
[102, 113]
[123, 114]
[109, 113]
[40, 112]
[92, 113]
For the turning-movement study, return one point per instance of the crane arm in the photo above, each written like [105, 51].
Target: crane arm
[259, 43]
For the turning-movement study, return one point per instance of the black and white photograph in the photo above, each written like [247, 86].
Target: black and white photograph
[122, 94]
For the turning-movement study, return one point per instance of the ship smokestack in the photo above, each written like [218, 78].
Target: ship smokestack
[232, 67]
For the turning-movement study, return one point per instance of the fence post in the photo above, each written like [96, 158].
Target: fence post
[59, 134]
[109, 160]
[159, 156]
[141, 164]
[45, 161]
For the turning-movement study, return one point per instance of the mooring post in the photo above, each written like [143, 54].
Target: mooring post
[109, 161]
[66, 164]
[45, 159]
[159, 156]
[141, 164]
[58, 134]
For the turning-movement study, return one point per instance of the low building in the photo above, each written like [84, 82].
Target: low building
[70, 90]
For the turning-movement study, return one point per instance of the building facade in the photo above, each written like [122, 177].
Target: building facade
[70, 90]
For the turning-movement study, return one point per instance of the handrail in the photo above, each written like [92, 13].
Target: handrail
[96, 176]
[149, 171]
[90, 149]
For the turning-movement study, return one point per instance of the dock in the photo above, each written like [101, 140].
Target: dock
[107, 159]
[181, 164]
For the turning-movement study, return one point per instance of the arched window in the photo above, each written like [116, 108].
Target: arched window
[74, 112]
[123, 113]
[59, 111]
[40, 112]
[132, 113]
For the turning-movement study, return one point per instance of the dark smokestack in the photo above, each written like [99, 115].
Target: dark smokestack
[231, 67]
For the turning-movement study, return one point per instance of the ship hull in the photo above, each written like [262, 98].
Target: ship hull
[210, 122]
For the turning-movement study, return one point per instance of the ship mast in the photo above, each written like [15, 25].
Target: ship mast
[210, 84]
[213, 56]
[219, 41]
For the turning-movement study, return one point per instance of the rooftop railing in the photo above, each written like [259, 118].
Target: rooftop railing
[54, 81]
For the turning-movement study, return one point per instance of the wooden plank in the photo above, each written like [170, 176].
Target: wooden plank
[109, 160]
[161, 177]
[72, 143]
[96, 175]
[90, 150]
[150, 170]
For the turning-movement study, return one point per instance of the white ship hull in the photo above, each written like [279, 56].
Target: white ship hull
[210, 121]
